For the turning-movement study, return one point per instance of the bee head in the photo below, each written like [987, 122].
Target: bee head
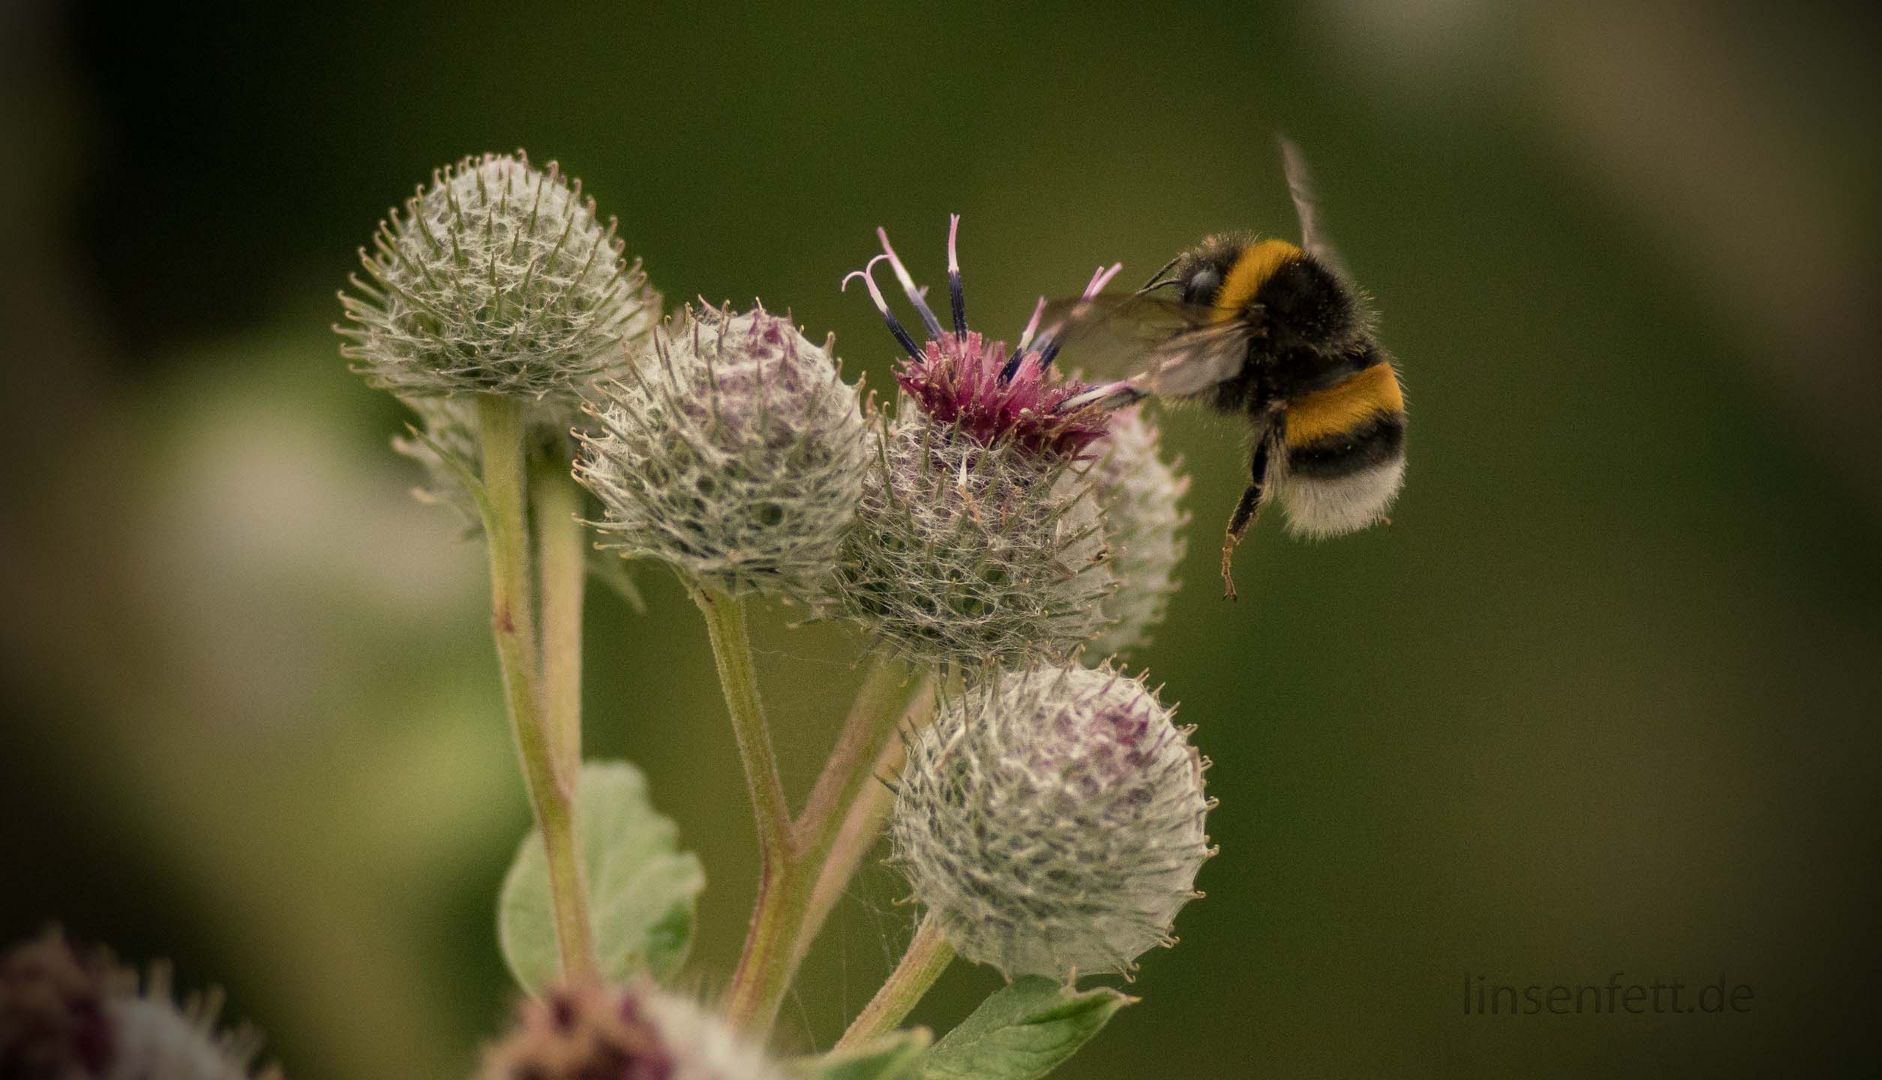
[1286, 295]
[1202, 286]
[1198, 273]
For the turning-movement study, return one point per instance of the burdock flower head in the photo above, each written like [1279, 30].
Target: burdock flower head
[1143, 523]
[499, 278]
[74, 1015]
[638, 1033]
[1051, 820]
[733, 451]
[977, 537]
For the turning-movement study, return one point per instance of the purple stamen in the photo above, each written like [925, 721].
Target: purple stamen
[1012, 365]
[1049, 346]
[956, 296]
[1025, 339]
[1100, 280]
[882, 305]
[972, 386]
[958, 382]
[1032, 327]
[1050, 351]
[915, 295]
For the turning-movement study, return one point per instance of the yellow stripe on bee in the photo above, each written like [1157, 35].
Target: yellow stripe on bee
[1257, 263]
[1345, 406]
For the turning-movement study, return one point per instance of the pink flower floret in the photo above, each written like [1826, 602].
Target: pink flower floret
[956, 381]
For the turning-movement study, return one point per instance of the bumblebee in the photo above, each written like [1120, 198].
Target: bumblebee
[1273, 332]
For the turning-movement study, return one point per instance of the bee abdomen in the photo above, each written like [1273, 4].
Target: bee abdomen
[1376, 441]
[1344, 454]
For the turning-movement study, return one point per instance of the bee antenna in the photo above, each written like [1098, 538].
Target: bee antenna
[1157, 280]
[875, 294]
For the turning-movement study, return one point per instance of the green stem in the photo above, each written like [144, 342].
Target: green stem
[512, 623]
[792, 853]
[764, 968]
[561, 551]
[928, 955]
[738, 678]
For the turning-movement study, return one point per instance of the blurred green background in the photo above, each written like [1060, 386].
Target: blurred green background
[1602, 697]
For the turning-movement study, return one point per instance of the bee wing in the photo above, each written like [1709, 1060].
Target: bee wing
[1169, 347]
[1313, 236]
[1199, 359]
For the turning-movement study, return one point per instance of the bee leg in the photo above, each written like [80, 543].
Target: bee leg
[1246, 512]
[1106, 397]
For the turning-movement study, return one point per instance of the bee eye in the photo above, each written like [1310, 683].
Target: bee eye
[1202, 287]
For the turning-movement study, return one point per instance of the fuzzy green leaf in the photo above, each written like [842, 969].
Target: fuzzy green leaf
[641, 888]
[1022, 1032]
[895, 1056]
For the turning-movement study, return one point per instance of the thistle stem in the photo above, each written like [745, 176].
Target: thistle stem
[561, 551]
[928, 955]
[513, 624]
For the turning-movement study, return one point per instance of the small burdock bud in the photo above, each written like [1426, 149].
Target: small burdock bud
[978, 538]
[71, 1016]
[1052, 820]
[1143, 525]
[639, 1033]
[499, 278]
[52, 1012]
[734, 451]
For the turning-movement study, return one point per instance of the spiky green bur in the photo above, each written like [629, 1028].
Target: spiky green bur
[1140, 494]
[734, 452]
[499, 278]
[971, 553]
[1052, 819]
[636, 1033]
